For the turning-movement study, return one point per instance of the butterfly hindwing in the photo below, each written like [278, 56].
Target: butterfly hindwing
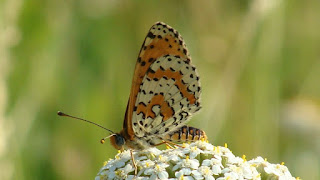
[167, 97]
[181, 97]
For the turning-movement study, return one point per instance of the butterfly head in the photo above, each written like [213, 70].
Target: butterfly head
[117, 141]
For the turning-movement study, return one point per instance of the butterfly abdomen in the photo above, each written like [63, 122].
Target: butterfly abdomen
[185, 134]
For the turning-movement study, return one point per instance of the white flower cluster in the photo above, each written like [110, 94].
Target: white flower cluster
[198, 160]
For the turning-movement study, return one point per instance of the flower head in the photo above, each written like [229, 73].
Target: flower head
[198, 160]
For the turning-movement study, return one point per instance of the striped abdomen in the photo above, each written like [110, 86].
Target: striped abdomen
[185, 134]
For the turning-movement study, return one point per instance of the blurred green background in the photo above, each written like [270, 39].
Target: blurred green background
[259, 63]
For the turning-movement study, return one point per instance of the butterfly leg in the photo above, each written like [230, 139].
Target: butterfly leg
[174, 144]
[163, 142]
[168, 144]
[134, 163]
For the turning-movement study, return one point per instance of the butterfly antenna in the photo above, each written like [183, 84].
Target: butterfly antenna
[67, 115]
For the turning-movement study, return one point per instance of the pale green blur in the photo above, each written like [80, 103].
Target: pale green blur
[259, 66]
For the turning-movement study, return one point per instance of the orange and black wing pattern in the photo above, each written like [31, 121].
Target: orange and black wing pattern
[165, 88]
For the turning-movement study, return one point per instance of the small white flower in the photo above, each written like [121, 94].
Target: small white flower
[187, 163]
[175, 155]
[124, 156]
[278, 170]
[155, 151]
[225, 170]
[196, 174]
[235, 160]
[231, 176]
[190, 163]
[204, 146]
[147, 163]
[257, 160]
[121, 173]
[186, 171]
[216, 169]
[140, 158]
[161, 158]
[206, 172]
[206, 162]
[215, 163]
[271, 169]
[216, 160]
[114, 164]
[247, 171]
[193, 151]
[158, 171]
[183, 174]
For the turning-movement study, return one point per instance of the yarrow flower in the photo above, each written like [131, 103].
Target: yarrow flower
[198, 160]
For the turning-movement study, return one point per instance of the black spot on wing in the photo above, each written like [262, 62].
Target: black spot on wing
[150, 60]
[151, 35]
[185, 51]
[151, 71]
[176, 35]
[142, 103]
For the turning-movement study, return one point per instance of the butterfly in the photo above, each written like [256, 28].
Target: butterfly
[165, 93]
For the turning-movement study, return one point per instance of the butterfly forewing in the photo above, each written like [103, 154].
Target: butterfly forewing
[165, 89]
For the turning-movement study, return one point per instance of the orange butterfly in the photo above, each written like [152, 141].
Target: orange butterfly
[165, 93]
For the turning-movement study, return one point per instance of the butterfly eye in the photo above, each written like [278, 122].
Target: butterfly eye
[119, 140]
